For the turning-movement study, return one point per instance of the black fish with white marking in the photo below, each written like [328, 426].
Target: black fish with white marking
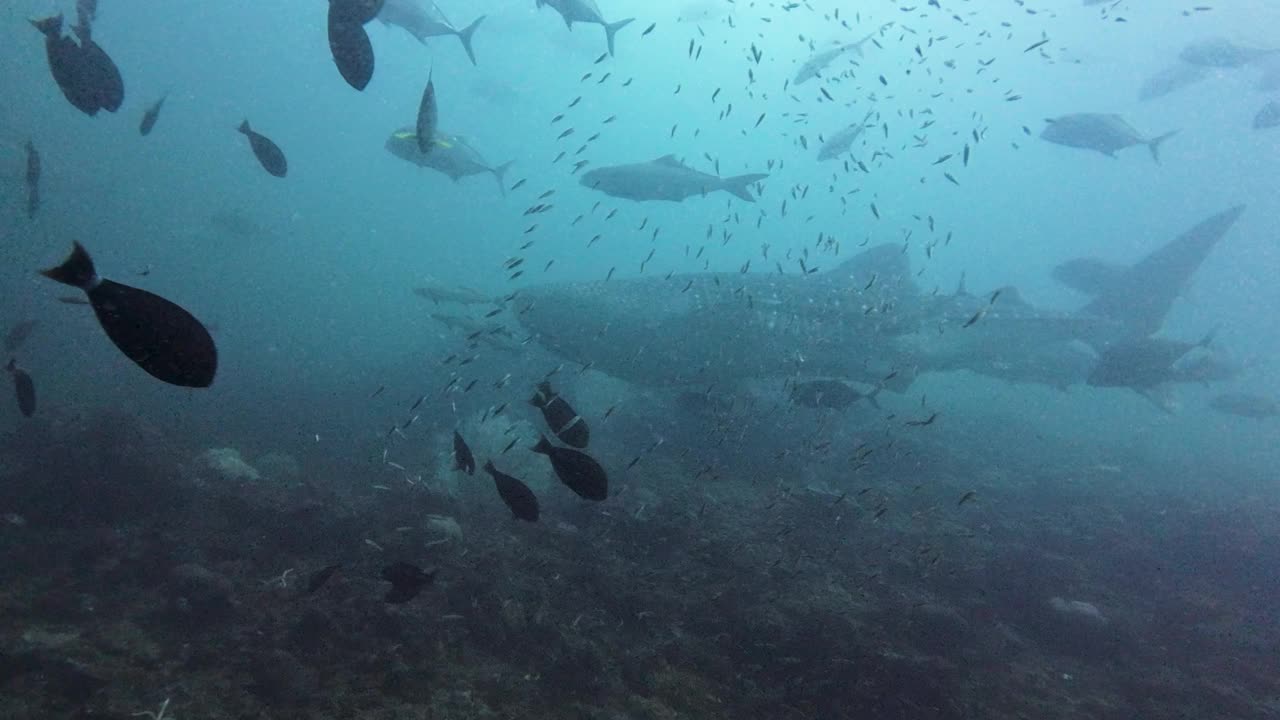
[156, 334]
[268, 153]
[462, 458]
[150, 117]
[517, 496]
[1105, 133]
[23, 388]
[567, 425]
[33, 180]
[407, 581]
[576, 469]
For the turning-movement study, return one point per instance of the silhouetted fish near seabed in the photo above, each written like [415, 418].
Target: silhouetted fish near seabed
[517, 496]
[428, 117]
[23, 388]
[406, 581]
[462, 458]
[576, 469]
[318, 578]
[268, 153]
[156, 334]
[150, 116]
[567, 425]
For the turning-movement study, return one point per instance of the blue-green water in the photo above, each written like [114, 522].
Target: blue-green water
[306, 284]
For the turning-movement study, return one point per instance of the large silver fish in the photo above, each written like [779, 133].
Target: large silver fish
[586, 11]
[450, 154]
[665, 178]
[1105, 133]
[422, 19]
[814, 66]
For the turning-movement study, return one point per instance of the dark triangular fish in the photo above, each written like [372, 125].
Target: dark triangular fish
[102, 74]
[318, 578]
[158, 335]
[406, 581]
[462, 458]
[349, 44]
[428, 118]
[23, 388]
[518, 497]
[150, 116]
[267, 152]
[567, 425]
[33, 180]
[576, 469]
[71, 69]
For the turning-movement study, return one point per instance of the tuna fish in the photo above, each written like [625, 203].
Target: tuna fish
[665, 179]
[1104, 133]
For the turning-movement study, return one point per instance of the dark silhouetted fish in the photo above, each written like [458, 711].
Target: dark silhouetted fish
[1221, 53]
[267, 152]
[665, 179]
[452, 155]
[18, 334]
[1173, 78]
[33, 180]
[349, 43]
[428, 118]
[70, 66]
[1268, 116]
[23, 388]
[576, 469]
[586, 11]
[422, 19]
[830, 394]
[1246, 405]
[1101, 132]
[318, 578]
[150, 116]
[1142, 363]
[406, 581]
[462, 458]
[158, 335]
[567, 425]
[518, 497]
[102, 73]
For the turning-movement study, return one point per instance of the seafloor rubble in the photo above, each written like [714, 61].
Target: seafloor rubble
[139, 571]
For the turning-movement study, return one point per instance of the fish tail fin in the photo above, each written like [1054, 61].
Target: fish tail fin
[1154, 144]
[871, 397]
[465, 36]
[611, 29]
[77, 270]
[740, 185]
[500, 174]
[544, 445]
[50, 26]
[244, 127]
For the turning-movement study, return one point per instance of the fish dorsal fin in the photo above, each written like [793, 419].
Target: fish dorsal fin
[885, 262]
[669, 161]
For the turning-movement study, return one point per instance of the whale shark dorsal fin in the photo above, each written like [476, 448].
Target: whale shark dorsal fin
[669, 161]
